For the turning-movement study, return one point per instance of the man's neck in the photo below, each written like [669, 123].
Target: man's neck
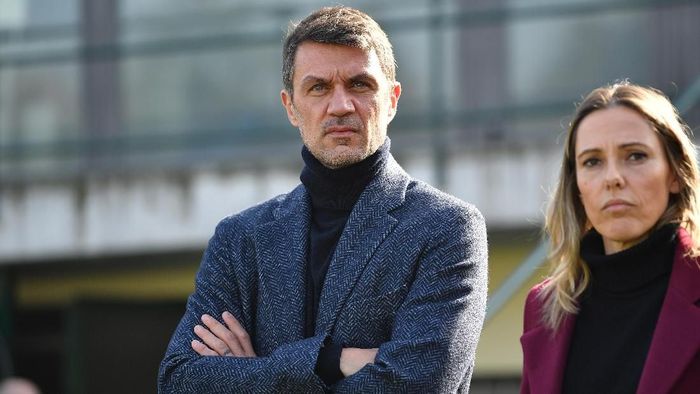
[340, 188]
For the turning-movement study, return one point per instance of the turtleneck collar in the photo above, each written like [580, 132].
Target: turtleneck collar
[631, 269]
[340, 188]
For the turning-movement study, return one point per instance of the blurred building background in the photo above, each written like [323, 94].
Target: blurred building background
[129, 128]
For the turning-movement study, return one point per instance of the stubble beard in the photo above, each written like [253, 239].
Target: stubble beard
[334, 159]
[342, 154]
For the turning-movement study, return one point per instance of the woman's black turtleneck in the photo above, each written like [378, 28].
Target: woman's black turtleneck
[333, 193]
[618, 313]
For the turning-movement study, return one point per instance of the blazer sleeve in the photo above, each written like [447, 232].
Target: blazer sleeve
[290, 368]
[437, 327]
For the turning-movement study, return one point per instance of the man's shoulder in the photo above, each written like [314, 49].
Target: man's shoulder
[428, 201]
[423, 202]
[260, 213]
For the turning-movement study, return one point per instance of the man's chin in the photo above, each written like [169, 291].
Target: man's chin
[341, 156]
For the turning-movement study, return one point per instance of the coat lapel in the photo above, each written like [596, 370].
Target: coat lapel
[676, 340]
[545, 353]
[368, 225]
[281, 246]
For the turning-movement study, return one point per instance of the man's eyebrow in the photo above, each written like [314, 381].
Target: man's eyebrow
[312, 79]
[363, 77]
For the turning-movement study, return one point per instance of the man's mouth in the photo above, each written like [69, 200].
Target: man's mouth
[339, 131]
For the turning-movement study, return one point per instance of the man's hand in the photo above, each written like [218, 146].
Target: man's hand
[353, 359]
[222, 340]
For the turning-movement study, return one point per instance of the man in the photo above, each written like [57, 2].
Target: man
[361, 278]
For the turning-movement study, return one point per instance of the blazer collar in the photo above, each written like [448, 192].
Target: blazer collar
[545, 353]
[281, 247]
[368, 225]
[676, 339]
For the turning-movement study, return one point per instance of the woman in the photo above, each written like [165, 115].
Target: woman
[620, 311]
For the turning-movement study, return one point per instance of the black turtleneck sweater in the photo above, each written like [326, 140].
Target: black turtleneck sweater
[333, 193]
[618, 313]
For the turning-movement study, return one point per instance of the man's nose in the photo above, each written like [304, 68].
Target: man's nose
[340, 103]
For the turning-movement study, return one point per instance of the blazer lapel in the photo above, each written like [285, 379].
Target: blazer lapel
[676, 340]
[281, 247]
[368, 225]
[545, 354]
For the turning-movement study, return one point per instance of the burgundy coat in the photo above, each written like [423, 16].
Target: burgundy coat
[673, 361]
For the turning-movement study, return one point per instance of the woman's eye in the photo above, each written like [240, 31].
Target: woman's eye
[591, 162]
[637, 156]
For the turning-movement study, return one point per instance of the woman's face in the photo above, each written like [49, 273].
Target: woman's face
[622, 174]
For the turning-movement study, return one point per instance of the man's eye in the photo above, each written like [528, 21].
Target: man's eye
[359, 85]
[319, 87]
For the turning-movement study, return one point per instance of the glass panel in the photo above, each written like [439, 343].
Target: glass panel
[39, 96]
[509, 70]
[39, 103]
[22, 14]
[560, 59]
[236, 89]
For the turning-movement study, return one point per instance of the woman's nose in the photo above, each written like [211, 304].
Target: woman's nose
[613, 176]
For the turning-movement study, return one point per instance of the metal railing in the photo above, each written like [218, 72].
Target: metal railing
[434, 118]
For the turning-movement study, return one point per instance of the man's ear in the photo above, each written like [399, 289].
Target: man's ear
[288, 106]
[394, 94]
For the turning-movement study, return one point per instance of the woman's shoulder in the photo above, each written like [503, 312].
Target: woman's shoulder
[685, 274]
[537, 292]
[534, 304]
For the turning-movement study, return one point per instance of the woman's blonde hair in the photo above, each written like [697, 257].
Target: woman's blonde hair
[566, 220]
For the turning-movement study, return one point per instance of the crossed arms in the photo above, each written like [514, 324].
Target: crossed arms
[232, 340]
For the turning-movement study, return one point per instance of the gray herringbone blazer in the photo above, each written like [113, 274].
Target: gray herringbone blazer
[408, 276]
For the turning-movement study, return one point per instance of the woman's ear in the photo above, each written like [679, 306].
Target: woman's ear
[675, 186]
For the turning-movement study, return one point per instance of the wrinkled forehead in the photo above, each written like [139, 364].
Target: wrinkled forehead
[322, 60]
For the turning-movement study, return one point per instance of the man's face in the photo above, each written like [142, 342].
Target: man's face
[342, 102]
